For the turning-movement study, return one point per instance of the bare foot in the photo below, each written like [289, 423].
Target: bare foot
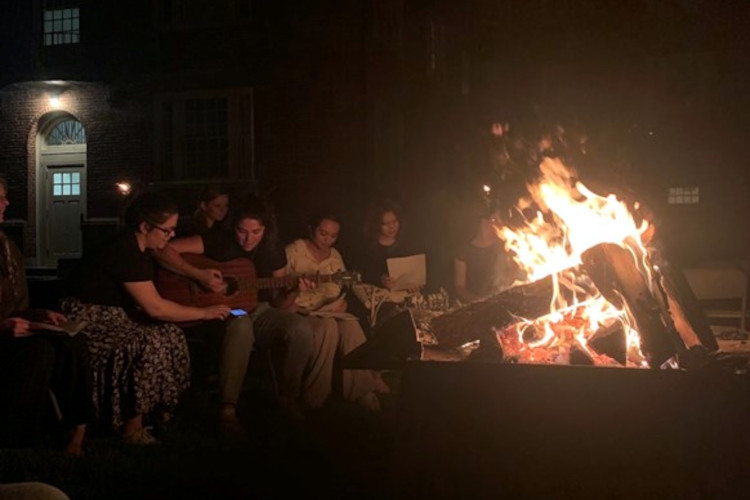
[75, 441]
[232, 428]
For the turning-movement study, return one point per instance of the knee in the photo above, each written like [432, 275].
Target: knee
[299, 331]
[39, 352]
[75, 347]
[240, 332]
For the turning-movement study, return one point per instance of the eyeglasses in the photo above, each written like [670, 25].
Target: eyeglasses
[168, 231]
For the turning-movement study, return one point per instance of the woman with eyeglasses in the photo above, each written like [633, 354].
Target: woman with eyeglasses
[139, 357]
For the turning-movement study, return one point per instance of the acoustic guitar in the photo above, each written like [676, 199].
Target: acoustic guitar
[242, 285]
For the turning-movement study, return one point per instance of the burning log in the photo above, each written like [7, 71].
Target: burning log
[480, 318]
[611, 341]
[685, 310]
[613, 270]
[662, 313]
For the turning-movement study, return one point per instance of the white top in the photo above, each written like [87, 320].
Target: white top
[301, 261]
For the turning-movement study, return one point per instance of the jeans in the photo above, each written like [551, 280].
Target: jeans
[265, 328]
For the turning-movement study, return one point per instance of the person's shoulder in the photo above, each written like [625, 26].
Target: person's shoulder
[221, 235]
[296, 246]
[335, 254]
[123, 241]
[463, 250]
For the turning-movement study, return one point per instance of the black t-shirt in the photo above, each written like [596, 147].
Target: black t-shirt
[481, 266]
[267, 257]
[100, 277]
[374, 263]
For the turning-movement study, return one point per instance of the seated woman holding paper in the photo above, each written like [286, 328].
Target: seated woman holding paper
[139, 358]
[33, 363]
[335, 332]
[384, 240]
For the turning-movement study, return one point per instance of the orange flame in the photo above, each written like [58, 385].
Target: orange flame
[569, 220]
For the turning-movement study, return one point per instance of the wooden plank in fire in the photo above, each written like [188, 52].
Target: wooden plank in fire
[615, 274]
[688, 315]
[478, 319]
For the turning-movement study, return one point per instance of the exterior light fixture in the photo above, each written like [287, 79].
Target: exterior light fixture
[486, 189]
[123, 187]
[54, 101]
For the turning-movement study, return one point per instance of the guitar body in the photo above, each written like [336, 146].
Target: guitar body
[187, 292]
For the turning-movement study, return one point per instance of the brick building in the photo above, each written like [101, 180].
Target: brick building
[179, 93]
[354, 98]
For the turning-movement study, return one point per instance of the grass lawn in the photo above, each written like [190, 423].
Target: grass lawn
[332, 454]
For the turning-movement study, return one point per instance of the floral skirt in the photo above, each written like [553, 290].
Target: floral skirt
[136, 367]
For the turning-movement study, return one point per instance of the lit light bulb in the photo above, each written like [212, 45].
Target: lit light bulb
[123, 187]
[54, 101]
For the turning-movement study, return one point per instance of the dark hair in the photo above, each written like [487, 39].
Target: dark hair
[208, 194]
[148, 206]
[374, 217]
[256, 208]
[319, 217]
[4, 183]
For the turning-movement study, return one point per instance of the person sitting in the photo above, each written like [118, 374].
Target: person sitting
[253, 236]
[336, 334]
[33, 363]
[212, 210]
[482, 266]
[139, 357]
[384, 239]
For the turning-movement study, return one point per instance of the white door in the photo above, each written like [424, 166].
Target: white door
[61, 194]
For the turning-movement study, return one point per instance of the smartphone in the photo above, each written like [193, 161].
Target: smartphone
[238, 312]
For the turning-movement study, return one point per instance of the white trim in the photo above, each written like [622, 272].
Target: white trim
[46, 156]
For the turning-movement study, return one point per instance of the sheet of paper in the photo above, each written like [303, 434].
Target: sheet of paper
[70, 327]
[408, 272]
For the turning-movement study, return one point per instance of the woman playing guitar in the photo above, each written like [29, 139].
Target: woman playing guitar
[253, 237]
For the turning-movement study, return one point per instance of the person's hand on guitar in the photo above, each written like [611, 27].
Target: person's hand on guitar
[305, 284]
[290, 293]
[215, 312]
[213, 280]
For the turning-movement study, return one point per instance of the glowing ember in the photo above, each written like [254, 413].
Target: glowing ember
[568, 220]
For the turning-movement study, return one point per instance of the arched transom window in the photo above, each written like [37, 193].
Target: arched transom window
[66, 132]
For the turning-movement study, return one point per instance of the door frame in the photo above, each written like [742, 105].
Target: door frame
[71, 154]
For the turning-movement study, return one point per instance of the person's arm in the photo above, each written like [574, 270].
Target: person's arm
[16, 327]
[283, 298]
[459, 282]
[169, 257]
[44, 316]
[157, 307]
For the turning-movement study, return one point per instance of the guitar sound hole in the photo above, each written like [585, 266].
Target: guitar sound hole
[232, 286]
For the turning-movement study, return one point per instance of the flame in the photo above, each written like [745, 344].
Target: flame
[568, 220]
